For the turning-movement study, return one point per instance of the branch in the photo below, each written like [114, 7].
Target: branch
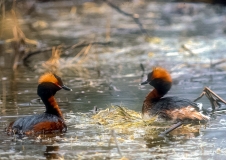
[80, 44]
[135, 17]
[217, 63]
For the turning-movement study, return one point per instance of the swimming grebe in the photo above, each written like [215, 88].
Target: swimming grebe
[51, 121]
[170, 108]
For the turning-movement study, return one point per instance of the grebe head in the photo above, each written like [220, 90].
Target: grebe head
[160, 79]
[49, 84]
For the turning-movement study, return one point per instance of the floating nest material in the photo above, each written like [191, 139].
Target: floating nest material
[126, 121]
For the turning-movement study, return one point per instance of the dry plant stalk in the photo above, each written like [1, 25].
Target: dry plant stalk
[52, 65]
[3, 102]
[79, 58]
[18, 42]
[2, 6]
[75, 63]
[116, 142]
[58, 65]
[84, 55]
[108, 28]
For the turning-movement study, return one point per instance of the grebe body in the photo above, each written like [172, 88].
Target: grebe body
[40, 123]
[169, 108]
[51, 121]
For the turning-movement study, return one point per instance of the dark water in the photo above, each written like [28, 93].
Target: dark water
[111, 75]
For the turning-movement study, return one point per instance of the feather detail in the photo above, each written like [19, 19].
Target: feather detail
[184, 113]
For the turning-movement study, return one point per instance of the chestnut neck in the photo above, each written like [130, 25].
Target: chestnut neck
[52, 106]
[153, 95]
[160, 89]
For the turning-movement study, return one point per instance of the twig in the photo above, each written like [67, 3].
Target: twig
[94, 110]
[143, 71]
[124, 112]
[170, 129]
[53, 63]
[2, 5]
[86, 51]
[142, 67]
[80, 44]
[19, 40]
[188, 50]
[217, 63]
[80, 52]
[108, 29]
[213, 98]
[135, 17]
[116, 142]
[4, 86]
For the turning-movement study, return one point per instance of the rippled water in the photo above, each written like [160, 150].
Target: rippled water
[189, 38]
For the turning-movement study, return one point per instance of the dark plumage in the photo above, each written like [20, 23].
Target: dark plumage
[51, 121]
[30, 124]
[170, 108]
[171, 103]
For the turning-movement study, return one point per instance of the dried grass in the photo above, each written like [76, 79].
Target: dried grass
[60, 66]
[124, 120]
[19, 42]
[52, 65]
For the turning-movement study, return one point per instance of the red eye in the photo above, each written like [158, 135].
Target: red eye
[59, 86]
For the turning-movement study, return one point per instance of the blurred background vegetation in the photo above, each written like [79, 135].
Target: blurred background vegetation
[22, 24]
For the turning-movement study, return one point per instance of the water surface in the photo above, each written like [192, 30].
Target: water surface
[188, 39]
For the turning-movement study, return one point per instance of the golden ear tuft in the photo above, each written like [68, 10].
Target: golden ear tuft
[48, 77]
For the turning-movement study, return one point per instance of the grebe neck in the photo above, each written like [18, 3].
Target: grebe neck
[153, 96]
[52, 106]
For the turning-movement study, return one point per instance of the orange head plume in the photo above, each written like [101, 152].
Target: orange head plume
[52, 78]
[48, 77]
[158, 73]
[160, 79]
[161, 73]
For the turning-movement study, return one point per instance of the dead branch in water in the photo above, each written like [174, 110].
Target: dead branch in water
[65, 47]
[135, 17]
[217, 63]
[57, 65]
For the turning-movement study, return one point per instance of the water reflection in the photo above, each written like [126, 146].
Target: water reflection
[52, 152]
[170, 139]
